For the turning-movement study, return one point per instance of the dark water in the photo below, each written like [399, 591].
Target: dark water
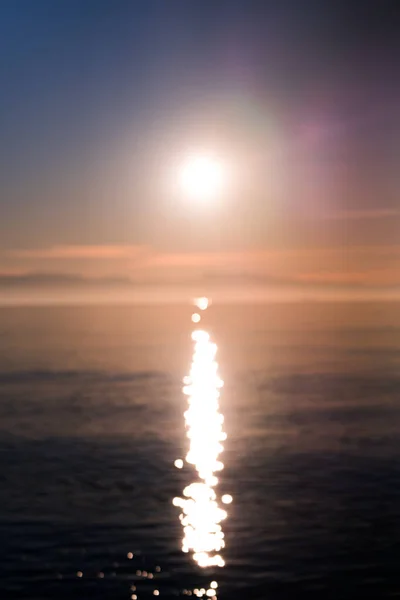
[91, 421]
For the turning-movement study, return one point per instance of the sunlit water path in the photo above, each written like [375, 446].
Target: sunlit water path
[202, 512]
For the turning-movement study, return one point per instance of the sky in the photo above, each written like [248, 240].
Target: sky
[100, 100]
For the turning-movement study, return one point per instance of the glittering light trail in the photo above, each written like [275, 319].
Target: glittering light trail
[201, 514]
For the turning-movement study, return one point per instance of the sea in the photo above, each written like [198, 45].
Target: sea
[93, 418]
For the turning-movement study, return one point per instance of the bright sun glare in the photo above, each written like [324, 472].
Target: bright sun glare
[202, 177]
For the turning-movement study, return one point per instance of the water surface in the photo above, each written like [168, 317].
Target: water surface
[91, 422]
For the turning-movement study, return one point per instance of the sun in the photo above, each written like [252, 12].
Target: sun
[202, 177]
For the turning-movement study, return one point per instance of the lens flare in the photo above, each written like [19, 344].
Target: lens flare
[201, 515]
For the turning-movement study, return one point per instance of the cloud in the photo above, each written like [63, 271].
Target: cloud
[35, 280]
[365, 214]
[81, 252]
[382, 277]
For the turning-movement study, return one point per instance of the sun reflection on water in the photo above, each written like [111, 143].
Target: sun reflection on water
[201, 514]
